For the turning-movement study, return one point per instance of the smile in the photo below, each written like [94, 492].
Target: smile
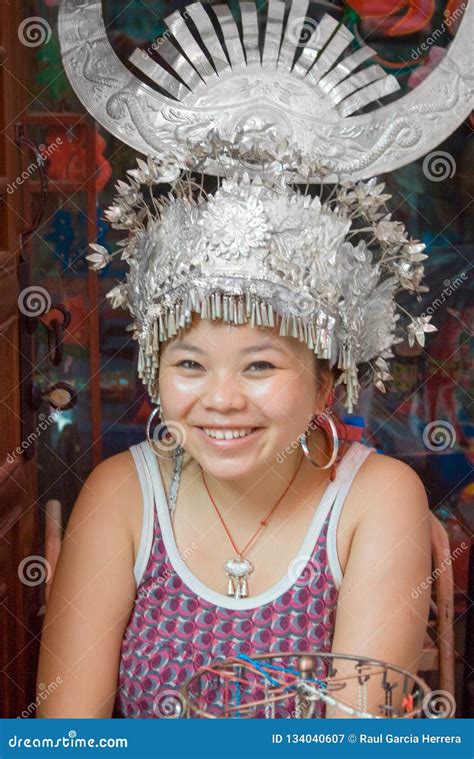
[227, 434]
[231, 437]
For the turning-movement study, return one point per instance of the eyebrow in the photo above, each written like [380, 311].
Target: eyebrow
[182, 345]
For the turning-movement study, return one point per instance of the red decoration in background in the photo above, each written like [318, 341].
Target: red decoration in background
[416, 14]
[452, 12]
[400, 17]
[66, 155]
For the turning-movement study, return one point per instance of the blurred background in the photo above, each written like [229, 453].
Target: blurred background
[63, 346]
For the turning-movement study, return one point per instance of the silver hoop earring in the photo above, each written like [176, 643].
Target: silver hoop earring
[161, 425]
[335, 446]
[178, 460]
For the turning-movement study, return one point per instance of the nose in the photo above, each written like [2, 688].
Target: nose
[222, 393]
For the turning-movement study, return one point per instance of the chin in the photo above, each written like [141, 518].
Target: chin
[224, 468]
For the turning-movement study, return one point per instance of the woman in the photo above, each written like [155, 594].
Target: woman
[333, 567]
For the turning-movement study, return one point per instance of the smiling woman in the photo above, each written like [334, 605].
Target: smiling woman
[240, 346]
[328, 565]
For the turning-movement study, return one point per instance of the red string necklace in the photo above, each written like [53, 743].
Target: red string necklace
[238, 569]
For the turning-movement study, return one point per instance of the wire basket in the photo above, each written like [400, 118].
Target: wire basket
[301, 686]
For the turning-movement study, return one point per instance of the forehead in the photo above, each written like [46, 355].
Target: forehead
[217, 334]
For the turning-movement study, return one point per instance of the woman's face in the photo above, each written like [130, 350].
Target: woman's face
[218, 377]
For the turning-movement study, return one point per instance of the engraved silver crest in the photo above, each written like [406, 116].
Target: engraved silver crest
[303, 91]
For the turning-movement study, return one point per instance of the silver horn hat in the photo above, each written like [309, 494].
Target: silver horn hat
[299, 82]
[257, 249]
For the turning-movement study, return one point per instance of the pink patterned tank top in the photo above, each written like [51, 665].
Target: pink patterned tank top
[178, 624]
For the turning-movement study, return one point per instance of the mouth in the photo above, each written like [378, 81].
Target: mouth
[229, 438]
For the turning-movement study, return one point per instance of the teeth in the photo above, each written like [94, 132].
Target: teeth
[227, 434]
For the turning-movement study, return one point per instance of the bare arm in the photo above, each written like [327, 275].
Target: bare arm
[91, 597]
[380, 614]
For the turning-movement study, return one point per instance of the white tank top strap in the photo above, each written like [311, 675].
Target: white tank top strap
[148, 511]
[353, 460]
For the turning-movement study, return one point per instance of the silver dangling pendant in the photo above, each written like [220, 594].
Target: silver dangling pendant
[174, 486]
[237, 571]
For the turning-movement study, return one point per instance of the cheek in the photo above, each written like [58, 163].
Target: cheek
[177, 395]
[285, 401]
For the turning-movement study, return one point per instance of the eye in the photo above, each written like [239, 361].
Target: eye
[188, 361]
[263, 365]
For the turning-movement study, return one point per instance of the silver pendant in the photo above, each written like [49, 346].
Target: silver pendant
[237, 571]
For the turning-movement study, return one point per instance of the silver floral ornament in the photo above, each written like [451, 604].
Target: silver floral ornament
[417, 329]
[232, 227]
[390, 232]
[118, 296]
[100, 258]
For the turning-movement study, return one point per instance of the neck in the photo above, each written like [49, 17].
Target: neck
[253, 497]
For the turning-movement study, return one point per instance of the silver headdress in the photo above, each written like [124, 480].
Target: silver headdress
[292, 110]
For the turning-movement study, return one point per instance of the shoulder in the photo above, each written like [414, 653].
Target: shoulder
[110, 498]
[114, 479]
[390, 493]
[390, 476]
